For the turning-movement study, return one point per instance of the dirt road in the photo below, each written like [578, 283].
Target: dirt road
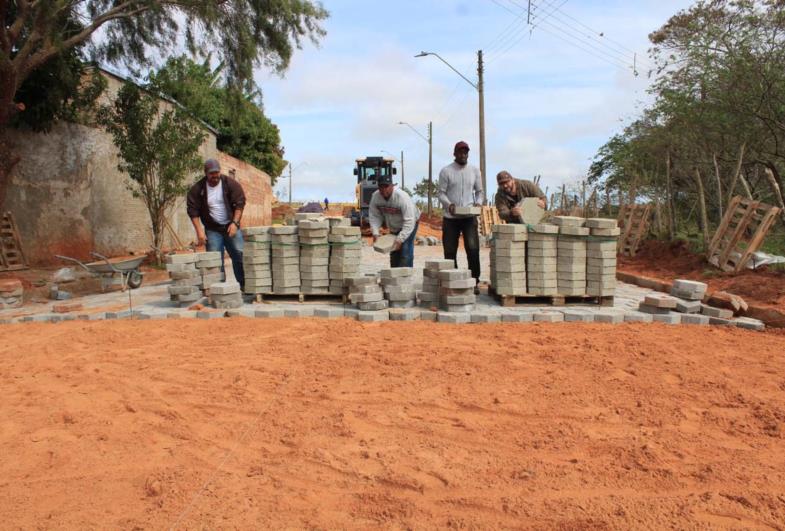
[337, 424]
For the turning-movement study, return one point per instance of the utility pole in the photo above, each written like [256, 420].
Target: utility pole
[480, 89]
[403, 180]
[430, 168]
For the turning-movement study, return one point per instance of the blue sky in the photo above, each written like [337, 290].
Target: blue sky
[553, 94]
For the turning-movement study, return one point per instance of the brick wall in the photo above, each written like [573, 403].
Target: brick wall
[258, 191]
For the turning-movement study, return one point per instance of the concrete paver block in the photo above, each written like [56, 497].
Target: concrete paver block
[454, 317]
[716, 312]
[604, 316]
[638, 317]
[548, 317]
[428, 315]
[485, 317]
[517, 317]
[694, 319]
[384, 244]
[688, 306]
[210, 315]
[329, 313]
[373, 316]
[269, 313]
[577, 316]
[404, 314]
[749, 324]
[668, 318]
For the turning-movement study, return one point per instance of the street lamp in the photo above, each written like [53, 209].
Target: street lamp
[429, 139]
[290, 179]
[480, 88]
[403, 181]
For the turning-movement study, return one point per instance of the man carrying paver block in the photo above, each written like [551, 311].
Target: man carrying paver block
[511, 192]
[215, 205]
[460, 185]
[394, 208]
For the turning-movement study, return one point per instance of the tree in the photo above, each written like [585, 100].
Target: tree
[158, 149]
[243, 33]
[243, 129]
[421, 189]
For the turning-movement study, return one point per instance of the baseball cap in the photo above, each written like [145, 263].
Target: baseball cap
[384, 179]
[461, 145]
[503, 176]
[211, 165]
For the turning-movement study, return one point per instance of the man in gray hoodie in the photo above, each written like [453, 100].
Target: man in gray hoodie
[394, 208]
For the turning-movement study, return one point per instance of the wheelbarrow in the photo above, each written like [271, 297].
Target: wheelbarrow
[125, 271]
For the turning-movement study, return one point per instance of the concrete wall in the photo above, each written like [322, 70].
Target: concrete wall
[68, 197]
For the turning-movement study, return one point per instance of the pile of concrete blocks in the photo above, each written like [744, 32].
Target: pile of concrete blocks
[186, 286]
[508, 259]
[365, 292]
[11, 292]
[314, 256]
[345, 253]
[690, 290]
[541, 252]
[209, 266]
[398, 285]
[456, 290]
[429, 296]
[285, 252]
[226, 295]
[571, 255]
[256, 260]
[601, 257]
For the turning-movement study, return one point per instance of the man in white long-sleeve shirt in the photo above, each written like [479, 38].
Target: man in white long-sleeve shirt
[394, 208]
[460, 185]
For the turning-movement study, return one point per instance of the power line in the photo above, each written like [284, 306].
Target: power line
[572, 39]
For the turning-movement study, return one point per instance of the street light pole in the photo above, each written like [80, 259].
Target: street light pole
[290, 179]
[403, 181]
[429, 139]
[480, 88]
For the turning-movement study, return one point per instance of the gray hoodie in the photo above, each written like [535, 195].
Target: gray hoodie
[399, 213]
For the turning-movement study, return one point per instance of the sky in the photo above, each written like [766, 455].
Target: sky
[557, 87]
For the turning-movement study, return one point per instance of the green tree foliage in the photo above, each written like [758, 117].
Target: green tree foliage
[717, 124]
[243, 34]
[243, 129]
[158, 149]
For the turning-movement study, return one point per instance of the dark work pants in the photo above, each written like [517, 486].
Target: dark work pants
[452, 228]
[405, 256]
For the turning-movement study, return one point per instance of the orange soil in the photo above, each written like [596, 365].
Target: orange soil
[668, 261]
[315, 424]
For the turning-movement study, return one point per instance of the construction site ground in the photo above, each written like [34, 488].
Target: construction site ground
[306, 423]
[335, 423]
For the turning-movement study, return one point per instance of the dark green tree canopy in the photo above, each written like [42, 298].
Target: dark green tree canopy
[244, 131]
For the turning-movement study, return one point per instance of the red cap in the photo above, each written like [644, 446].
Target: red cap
[461, 145]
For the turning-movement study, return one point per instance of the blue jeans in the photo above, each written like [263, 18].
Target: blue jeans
[405, 256]
[218, 241]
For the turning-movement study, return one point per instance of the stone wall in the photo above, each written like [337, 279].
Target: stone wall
[68, 197]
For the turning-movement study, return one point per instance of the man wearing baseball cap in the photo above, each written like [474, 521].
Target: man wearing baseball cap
[460, 185]
[511, 192]
[215, 205]
[394, 208]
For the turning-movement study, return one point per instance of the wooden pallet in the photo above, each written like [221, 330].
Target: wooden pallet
[11, 256]
[741, 233]
[634, 222]
[549, 300]
[489, 216]
[302, 297]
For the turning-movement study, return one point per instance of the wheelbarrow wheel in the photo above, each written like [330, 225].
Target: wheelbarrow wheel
[134, 279]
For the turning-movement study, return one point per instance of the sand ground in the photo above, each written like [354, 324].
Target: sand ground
[317, 424]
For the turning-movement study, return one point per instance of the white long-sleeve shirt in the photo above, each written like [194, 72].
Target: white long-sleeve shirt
[460, 186]
[399, 213]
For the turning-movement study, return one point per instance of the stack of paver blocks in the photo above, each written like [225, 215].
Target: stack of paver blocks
[571, 256]
[285, 245]
[209, 266]
[601, 257]
[186, 286]
[11, 292]
[398, 285]
[429, 296]
[226, 295]
[541, 252]
[256, 260]
[345, 252]
[456, 290]
[365, 292]
[314, 256]
[508, 259]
